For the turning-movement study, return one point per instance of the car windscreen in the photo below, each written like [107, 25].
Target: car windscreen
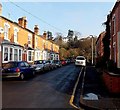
[80, 58]
[10, 65]
[38, 62]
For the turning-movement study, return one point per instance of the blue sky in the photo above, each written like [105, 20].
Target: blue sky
[84, 17]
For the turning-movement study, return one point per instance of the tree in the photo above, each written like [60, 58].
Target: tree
[106, 40]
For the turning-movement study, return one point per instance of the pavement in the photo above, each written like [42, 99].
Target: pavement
[94, 95]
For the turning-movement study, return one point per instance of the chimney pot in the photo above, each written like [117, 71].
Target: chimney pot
[22, 22]
[36, 29]
[45, 35]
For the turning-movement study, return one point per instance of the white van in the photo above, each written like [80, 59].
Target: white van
[80, 61]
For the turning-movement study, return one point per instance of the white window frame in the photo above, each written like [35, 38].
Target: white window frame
[7, 54]
[6, 31]
[114, 24]
[30, 40]
[19, 58]
[37, 55]
[16, 30]
[31, 56]
[13, 53]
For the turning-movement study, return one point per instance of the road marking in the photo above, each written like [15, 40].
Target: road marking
[83, 81]
[72, 96]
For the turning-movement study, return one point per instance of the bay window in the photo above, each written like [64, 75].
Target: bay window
[5, 54]
[11, 54]
[20, 55]
[16, 54]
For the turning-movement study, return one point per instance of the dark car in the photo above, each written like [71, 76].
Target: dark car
[18, 69]
[58, 63]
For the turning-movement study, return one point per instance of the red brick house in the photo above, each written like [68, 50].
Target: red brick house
[99, 45]
[115, 34]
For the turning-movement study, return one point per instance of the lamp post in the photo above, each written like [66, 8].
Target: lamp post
[92, 48]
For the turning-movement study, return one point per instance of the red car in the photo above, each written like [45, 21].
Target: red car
[63, 62]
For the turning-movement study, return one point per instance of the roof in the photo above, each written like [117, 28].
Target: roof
[16, 24]
[8, 42]
[101, 34]
[26, 29]
[115, 6]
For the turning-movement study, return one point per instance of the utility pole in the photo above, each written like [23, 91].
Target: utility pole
[92, 47]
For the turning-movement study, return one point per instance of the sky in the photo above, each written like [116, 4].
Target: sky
[84, 17]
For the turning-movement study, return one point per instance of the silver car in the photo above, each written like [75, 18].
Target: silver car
[38, 65]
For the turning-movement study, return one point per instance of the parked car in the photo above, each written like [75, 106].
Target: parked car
[39, 66]
[19, 69]
[80, 61]
[58, 63]
[63, 62]
[52, 64]
[47, 65]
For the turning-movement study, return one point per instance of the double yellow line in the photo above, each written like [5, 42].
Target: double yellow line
[73, 94]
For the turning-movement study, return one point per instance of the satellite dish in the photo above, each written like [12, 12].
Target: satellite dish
[1, 30]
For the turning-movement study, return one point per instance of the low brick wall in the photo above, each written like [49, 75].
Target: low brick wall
[112, 82]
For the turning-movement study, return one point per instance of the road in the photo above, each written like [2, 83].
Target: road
[52, 89]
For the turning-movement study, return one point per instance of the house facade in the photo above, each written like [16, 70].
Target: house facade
[99, 45]
[113, 23]
[18, 43]
[115, 34]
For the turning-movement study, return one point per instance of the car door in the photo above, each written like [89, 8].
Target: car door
[22, 67]
[28, 69]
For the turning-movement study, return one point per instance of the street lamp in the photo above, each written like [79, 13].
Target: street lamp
[92, 47]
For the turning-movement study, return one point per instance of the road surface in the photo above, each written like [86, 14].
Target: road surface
[52, 89]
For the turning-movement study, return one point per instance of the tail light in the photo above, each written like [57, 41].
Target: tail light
[17, 70]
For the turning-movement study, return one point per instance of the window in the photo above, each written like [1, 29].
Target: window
[15, 54]
[22, 64]
[11, 54]
[37, 55]
[29, 39]
[26, 64]
[30, 56]
[5, 57]
[114, 25]
[36, 41]
[16, 35]
[20, 55]
[6, 31]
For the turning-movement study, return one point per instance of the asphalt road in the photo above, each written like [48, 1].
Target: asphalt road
[48, 90]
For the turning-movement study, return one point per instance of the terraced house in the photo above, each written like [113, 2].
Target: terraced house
[18, 43]
[114, 22]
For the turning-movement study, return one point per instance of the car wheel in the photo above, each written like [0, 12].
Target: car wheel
[22, 77]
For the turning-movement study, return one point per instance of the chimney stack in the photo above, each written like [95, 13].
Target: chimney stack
[36, 29]
[45, 35]
[22, 22]
[0, 9]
